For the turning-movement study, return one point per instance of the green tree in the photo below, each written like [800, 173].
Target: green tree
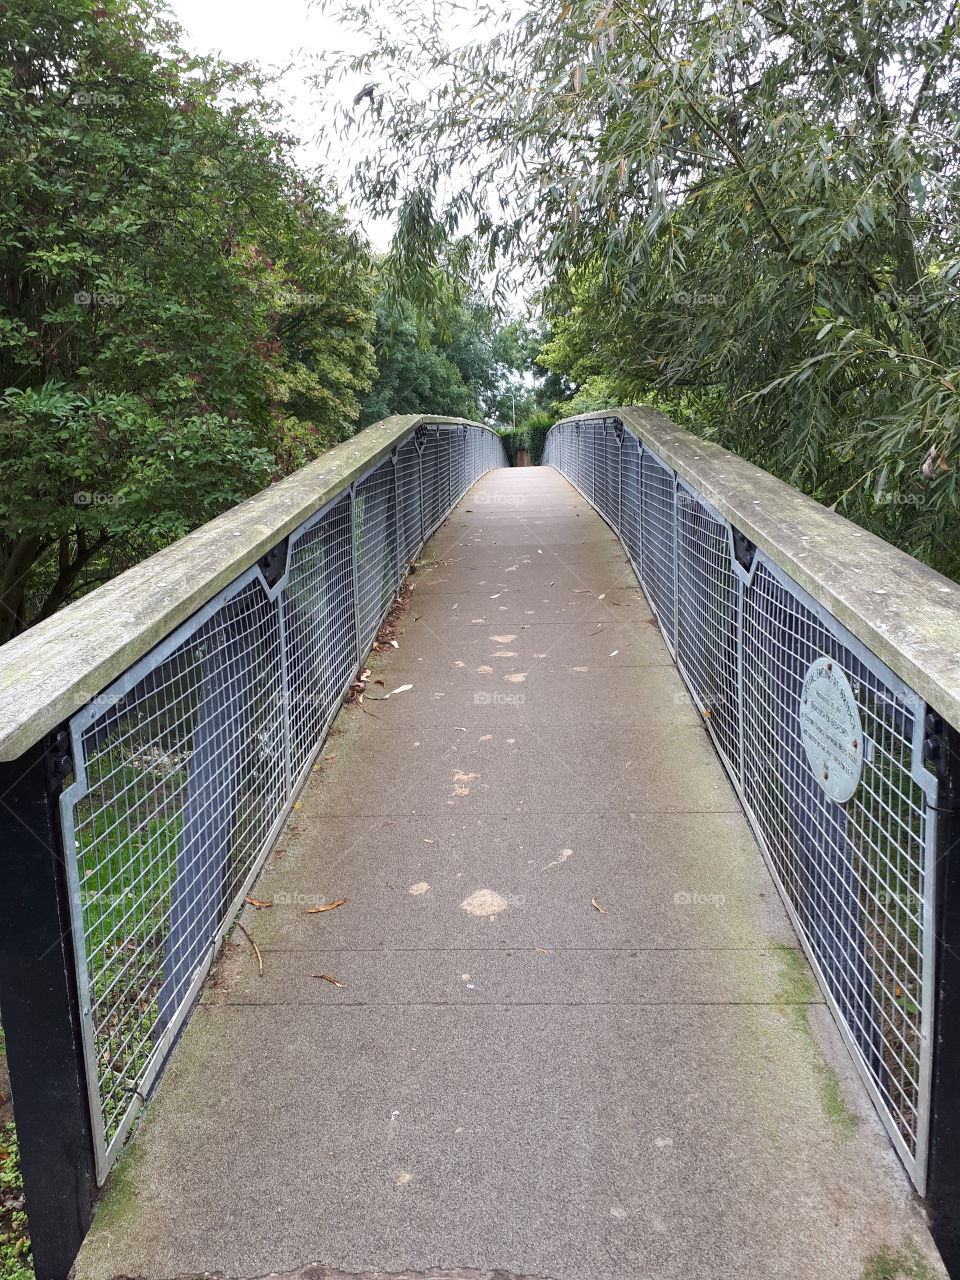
[444, 355]
[185, 315]
[748, 211]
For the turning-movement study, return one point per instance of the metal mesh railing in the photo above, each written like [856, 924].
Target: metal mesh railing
[186, 766]
[856, 877]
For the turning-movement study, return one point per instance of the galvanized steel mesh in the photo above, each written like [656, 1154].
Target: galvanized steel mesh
[857, 878]
[186, 766]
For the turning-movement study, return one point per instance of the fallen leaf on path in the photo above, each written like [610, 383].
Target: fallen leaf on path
[429, 842]
[517, 678]
[503, 639]
[615, 652]
[505, 653]
[326, 977]
[254, 945]
[395, 643]
[557, 862]
[485, 671]
[259, 905]
[595, 903]
[327, 906]
[485, 902]
[464, 777]
[399, 689]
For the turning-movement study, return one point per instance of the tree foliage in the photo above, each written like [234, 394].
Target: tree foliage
[450, 356]
[185, 316]
[746, 212]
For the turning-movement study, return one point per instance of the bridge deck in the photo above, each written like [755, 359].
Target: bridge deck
[508, 1077]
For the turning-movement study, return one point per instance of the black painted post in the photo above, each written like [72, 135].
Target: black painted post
[40, 1009]
[943, 1165]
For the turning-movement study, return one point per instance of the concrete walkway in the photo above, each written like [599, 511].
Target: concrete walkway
[574, 1038]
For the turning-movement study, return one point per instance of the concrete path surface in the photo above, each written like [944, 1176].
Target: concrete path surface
[573, 1037]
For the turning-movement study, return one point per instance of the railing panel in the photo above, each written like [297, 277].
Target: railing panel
[179, 778]
[856, 875]
[630, 528]
[321, 640]
[658, 498]
[707, 607]
[408, 494]
[375, 531]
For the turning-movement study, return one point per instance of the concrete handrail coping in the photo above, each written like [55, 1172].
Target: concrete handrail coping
[56, 667]
[905, 612]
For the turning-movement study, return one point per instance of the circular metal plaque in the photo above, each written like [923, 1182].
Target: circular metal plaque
[830, 729]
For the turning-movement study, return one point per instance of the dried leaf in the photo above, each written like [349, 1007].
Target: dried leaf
[326, 977]
[254, 902]
[254, 945]
[429, 842]
[596, 904]
[400, 689]
[327, 906]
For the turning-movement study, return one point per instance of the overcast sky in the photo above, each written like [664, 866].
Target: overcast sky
[275, 34]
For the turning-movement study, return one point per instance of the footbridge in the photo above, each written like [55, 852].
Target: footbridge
[431, 868]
